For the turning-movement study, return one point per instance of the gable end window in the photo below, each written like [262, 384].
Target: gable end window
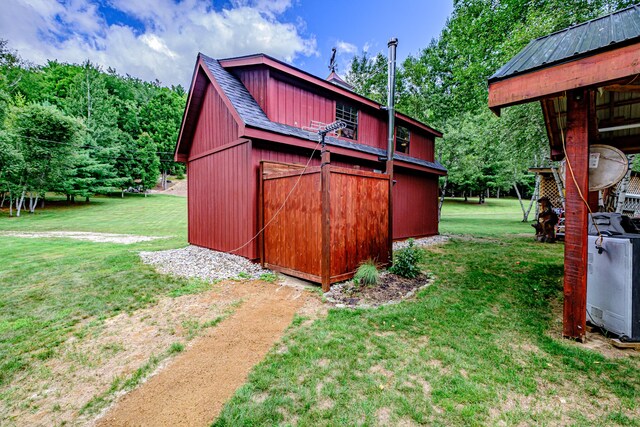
[349, 115]
[402, 139]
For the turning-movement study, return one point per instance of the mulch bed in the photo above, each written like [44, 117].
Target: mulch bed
[390, 290]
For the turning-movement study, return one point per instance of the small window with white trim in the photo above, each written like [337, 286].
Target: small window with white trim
[349, 115]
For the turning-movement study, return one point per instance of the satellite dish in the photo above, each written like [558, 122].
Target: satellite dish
[607, 166]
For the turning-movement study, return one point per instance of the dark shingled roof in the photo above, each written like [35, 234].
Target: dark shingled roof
[614, 30]
[252, 115]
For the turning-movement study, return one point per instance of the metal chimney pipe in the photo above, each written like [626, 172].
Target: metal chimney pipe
[391, 95]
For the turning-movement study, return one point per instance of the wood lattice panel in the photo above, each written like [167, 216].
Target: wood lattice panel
[634, 185]
[548, 188]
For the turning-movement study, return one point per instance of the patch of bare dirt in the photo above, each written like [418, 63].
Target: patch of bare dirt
[594, 340]
[390, 289]
[252, 317]
[558, 401]
[125, 239]
[85, 366]
[192, 389]
[384, 416]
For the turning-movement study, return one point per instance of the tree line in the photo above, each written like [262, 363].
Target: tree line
[445, 85]
[79, 130]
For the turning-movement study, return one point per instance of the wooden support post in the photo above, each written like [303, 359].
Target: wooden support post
[389, 171]
[576, 240]
[325, 186]
[261, 213]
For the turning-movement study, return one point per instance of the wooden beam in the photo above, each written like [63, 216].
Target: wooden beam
[594, 135]
[622, 88]
[550, 119]
[591, 71]
[618, 103]
[576, 240]
[628, 144]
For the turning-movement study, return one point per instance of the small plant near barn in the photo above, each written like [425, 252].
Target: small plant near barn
[176, 347]
[406, 262]
[367, 273]
[269, 277]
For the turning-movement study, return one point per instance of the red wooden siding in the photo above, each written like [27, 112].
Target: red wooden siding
[372, 130]
[220, 207]
[255, 80]
[415, 205]
[216, 126]
[421, 147]
[294, 106]
[261, 152]
[359, 219]
[290, 104]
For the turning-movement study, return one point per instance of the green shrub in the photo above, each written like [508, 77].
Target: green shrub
[367, 273]
[406, 262]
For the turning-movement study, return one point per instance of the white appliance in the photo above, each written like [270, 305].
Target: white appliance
[613, 285]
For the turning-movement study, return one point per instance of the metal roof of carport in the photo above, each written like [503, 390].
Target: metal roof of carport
[616, 29]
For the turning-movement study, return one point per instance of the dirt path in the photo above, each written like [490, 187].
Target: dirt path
[178, 188]
[125, 239]
[192, 389]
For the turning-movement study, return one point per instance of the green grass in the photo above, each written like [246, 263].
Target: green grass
[155, 215]
[496, 217]
[52, 288]
[475, 348]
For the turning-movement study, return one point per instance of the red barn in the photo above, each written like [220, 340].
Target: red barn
[245, 110]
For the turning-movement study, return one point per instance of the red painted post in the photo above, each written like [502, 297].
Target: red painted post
[576, 240]
[261, 214]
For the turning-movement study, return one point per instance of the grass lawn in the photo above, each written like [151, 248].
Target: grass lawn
[496, 217]
[481, 346]
[53, 288]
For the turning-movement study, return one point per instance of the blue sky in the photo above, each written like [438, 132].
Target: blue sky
[159, 39]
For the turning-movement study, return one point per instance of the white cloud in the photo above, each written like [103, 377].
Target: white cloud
[343, 47]
[165, 48]
[274, 6]
[158, 45]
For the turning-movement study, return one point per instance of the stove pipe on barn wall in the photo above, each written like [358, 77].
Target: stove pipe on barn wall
[391, 93]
